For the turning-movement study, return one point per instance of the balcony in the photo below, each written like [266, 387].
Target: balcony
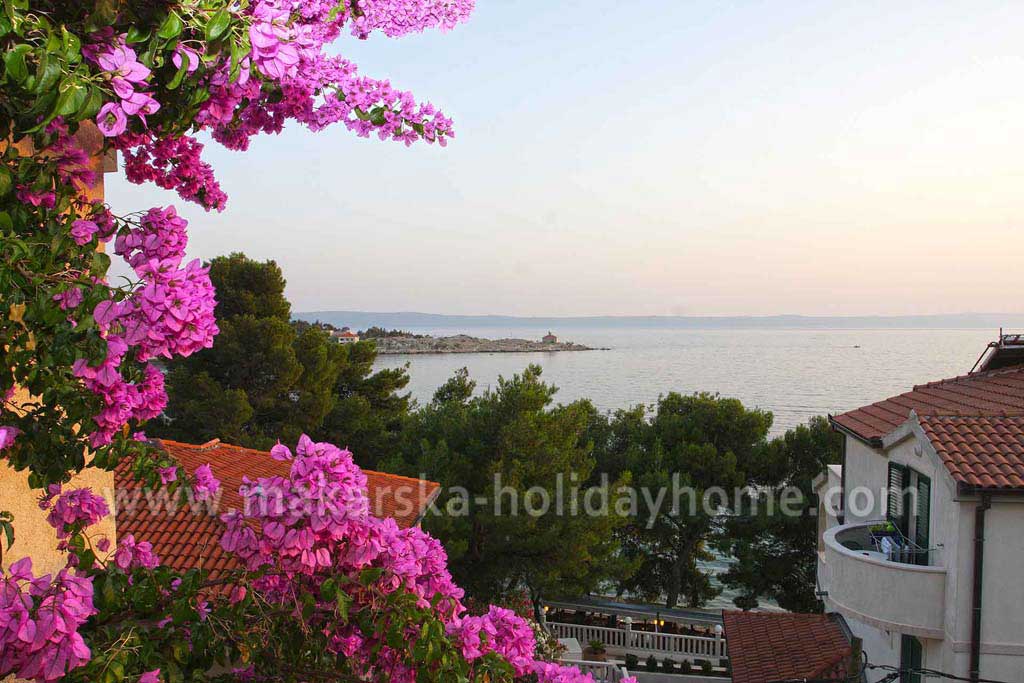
[891, 585]
[621, 641]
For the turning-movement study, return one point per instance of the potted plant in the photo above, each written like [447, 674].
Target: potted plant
[632, 662]
[706, 667]
[882, 530]
[595, 651]
[686, 667]
[652, 663]
[668, 665]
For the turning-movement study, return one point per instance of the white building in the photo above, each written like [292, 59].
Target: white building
[922, 547]
[345, 336]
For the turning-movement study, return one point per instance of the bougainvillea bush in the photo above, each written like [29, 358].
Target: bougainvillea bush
[327, 592]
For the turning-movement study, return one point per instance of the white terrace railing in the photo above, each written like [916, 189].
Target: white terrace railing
[603, 672]
[623, 641]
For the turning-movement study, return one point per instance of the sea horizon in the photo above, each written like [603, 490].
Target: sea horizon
[420, 321]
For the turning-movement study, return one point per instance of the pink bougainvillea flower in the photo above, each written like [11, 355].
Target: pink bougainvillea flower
[44, 198]
[150, 676]
[7, 436]
[131, 553]
[140, 103]
[122, 88]
[168, 475]
[76, 506]
[123, 62]
[181, 53]
[206, 485]
[280, 452]
[82, 231]
[69, 298]
[112, 121]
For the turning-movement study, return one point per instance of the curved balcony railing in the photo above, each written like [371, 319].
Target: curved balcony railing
[883, 538]
[891, 585]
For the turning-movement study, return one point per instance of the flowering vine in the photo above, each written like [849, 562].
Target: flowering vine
[325, 591]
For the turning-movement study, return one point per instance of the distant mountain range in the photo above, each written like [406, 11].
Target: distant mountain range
[418, 321]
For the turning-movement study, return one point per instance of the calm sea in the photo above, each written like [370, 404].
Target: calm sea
[795, 373]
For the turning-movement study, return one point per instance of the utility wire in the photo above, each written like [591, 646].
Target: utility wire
[894, 674]
[930, 673]
[853, 677]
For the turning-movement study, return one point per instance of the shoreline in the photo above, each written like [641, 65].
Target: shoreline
[461, 343]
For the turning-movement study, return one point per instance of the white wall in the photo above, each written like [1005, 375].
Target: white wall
[865, 468]
[1002, 604]
[952, 530]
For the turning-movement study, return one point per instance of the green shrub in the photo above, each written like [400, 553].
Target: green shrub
[668, 665]
[686, 667]
[652, 663]
[706, 666]
[597, 647]
[632, 662]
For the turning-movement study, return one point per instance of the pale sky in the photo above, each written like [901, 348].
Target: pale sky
[659, 157]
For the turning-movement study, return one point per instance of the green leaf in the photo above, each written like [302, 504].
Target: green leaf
[218, 24]
[100, 264]
[5, 187]
[368, 576]
[170, 28]
[114, 672]
[72, 45]
[14, 62]
[344, 603]
[137, 35]
[92, 104]
[72, 97]
[8, 530]
[49, 72]
[179, 76]
[104, 15]
[108, 592]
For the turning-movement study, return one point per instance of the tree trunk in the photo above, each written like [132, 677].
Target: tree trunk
[675, 582]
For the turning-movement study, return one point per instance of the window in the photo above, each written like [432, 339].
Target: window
[909, 509]
[911, 659]
[899, 476]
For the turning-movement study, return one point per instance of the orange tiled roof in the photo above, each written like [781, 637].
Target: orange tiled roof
[985, 452]
[994, 393]
[188, 539]
[775, 646]
[182, 540]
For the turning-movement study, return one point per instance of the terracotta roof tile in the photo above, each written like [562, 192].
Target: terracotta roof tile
[403, 498]
[184, 538]
[980, 451]
[775, 646]
[993, 393]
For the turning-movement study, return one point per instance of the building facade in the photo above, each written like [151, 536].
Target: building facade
[345, 336]
[922, 531]
[34, 537]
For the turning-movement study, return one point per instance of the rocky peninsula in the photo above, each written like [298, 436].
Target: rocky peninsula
[463, 343]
